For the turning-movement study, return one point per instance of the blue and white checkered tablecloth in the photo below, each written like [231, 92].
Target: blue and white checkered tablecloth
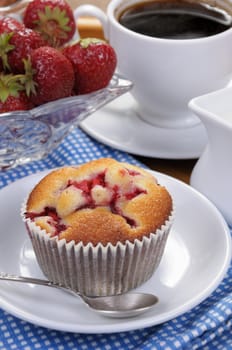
[207, 326]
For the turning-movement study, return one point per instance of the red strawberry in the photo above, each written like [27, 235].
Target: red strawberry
[53, 75]
[16, 46]
[16, 103]
[53, 19]
[10, 24]
[24, 42]
[7, 25]
[12, 94]
[94, 63]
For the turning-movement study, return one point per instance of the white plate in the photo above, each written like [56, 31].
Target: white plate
[119, 126]
[196, 259]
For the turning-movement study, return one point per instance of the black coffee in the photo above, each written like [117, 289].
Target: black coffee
[175, 19]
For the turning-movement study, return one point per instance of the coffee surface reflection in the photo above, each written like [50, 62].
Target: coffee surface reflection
[175, 19]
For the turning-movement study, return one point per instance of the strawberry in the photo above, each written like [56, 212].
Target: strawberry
[7, 25]
[94, 62]
[52, 73]
[17, 45]
[10, 24]
[12, 94]
[16, 103]
[53, 19]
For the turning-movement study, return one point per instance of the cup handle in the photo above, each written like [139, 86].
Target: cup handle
[93, 11]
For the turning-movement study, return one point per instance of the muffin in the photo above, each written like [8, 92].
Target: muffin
[99, 228]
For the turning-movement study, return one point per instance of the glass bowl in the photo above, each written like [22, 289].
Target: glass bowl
[31, 135]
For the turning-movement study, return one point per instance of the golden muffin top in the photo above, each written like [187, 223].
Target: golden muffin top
[101, 201]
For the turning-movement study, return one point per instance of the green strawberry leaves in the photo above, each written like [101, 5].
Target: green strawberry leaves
[53, 24]
[5, 47]
[84, 43]
[10, 85]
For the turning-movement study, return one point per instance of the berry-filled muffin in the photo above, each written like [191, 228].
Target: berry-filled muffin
[99, 228]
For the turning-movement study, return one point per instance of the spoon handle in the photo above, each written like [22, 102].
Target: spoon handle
[38, 281]
[9, 277]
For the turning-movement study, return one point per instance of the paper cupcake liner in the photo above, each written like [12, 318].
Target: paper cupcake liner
[100, 270]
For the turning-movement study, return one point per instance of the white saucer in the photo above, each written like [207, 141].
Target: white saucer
[186, 276]
[119, 126]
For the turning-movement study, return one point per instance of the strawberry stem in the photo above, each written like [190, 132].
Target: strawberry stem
[27, 79]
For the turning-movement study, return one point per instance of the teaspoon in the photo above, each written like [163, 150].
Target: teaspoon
[117, 306]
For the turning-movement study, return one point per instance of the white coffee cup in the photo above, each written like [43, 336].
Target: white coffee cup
[167, 73]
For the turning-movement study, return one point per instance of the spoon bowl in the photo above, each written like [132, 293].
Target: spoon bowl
[117, 306]
[122, 305]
